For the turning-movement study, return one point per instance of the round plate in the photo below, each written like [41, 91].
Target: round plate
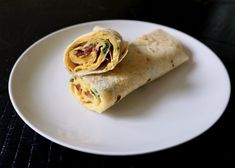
[169, 111]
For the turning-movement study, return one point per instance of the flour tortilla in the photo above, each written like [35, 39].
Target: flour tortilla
[149, 57]
[96, 52]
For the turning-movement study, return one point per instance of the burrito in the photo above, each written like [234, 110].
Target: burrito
[96, 52]
[149, 57]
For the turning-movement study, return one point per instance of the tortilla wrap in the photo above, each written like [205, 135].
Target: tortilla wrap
[148, 58]
[96, 52]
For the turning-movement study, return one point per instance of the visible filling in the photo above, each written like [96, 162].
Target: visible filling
[92, 55]
[86, 95]
[87, 50]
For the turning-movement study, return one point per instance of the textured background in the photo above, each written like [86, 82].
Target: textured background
[23, 22]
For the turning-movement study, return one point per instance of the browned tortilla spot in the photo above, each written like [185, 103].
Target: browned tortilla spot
[118, 98]
[147, 60]
[145, 37]
[172, 64]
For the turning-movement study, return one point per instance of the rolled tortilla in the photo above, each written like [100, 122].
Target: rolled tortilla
[96, 52]
[149, 57]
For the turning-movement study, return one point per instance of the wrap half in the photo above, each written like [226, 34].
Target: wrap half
[96, 52]
[149, 57]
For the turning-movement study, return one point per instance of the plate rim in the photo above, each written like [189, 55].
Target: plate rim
[92, 151]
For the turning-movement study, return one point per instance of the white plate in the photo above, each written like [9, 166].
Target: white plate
[167, 112]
